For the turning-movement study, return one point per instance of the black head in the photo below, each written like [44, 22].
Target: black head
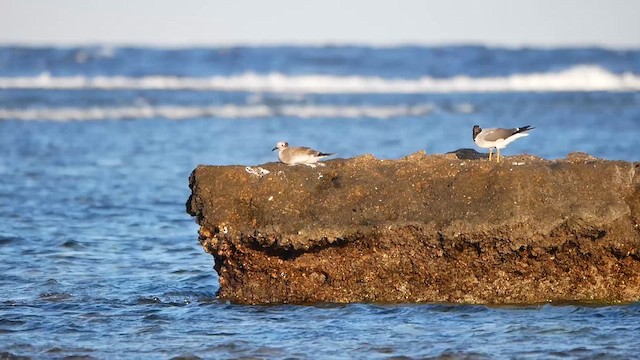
[476, 131]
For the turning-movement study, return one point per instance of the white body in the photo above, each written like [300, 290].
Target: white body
[498, 144]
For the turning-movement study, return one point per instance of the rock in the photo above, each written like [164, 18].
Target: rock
[423, 229]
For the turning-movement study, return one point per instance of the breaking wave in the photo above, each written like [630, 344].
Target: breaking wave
[577, 78]
[226, 111]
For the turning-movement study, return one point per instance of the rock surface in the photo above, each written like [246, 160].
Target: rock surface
[423, 229]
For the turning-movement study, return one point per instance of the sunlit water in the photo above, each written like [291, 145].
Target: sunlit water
[98, 257]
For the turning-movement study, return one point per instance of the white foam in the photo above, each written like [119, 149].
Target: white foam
[577, 78]
[376, 112]
[225, 111]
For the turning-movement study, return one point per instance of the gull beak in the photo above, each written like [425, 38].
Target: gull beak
[274, 149]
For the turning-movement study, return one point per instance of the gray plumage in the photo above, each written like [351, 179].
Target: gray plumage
[498, 138]
[294, 155]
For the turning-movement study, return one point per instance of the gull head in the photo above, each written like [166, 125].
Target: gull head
[281, 145]
[476, 130]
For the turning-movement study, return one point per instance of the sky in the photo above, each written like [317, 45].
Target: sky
[182, 23]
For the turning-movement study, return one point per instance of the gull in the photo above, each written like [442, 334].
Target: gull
[294, 155]
[497, 138]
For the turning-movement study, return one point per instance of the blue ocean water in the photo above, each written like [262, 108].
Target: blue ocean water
[98, 257]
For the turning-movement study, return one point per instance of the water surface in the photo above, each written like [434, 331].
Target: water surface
[98, 257]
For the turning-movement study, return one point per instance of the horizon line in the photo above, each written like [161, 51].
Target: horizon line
[328, 43]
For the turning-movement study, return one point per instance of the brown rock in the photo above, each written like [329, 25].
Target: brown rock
[423, 228]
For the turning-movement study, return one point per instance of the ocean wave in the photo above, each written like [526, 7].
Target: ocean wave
[225, 111]
[577, 78]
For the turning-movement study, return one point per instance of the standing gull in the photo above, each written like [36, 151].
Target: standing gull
[294, 155]
[497, 137]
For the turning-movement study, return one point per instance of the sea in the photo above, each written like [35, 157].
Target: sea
[99, 259]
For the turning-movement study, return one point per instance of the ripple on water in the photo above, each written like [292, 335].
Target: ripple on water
[8, 240]
[73, 244]
[186, 357]
[458, 308]
[5, 355]
[462, 355]
[60, 350]
[151, 329]
[157, 318]
[148, 300]
[178, 298]
[51, 282]
[9, 323]
[55, 296]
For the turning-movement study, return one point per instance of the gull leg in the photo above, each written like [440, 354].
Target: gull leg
[498, 149]
[490, 153]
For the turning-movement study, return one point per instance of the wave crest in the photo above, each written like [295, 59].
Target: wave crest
[226, 111]
[577, 78]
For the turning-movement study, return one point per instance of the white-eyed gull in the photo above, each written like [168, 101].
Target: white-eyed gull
[294, 155]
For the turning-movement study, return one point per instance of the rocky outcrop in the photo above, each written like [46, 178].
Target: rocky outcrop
[440, 228]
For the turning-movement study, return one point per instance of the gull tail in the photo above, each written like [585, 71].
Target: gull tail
[325, 154]
[522, 129]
